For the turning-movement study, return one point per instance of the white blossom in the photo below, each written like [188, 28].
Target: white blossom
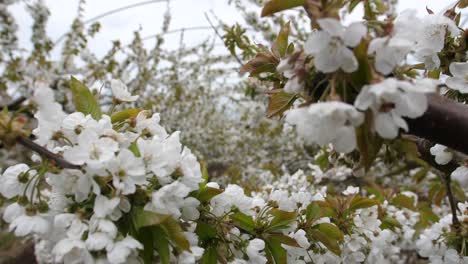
[442, 154]
[14, 181]
[324, 123]
[461, 176]
[120, 91]
[330, 45]
[121, 250]
[350, 190]
[459, 79]
[390, 100]
[253, 251]
[233, 196]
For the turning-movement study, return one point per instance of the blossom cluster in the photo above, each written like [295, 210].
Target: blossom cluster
[77, 215]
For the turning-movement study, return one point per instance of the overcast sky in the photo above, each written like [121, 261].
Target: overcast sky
[185, 13]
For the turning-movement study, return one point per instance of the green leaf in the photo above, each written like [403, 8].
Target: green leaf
[145, 236]
[290, 49]
[420, 175]
[463, 3]
[124, 115]
[359, 202]
[368, 143]
[279, 103]
[207, 193]
[281, 219]
[161, 244]
[134, 149]
[210, 256]
[313, 211]
[263, 62]
[330, 243]
[275, 250]
[279, 5]
[353, 5]
[390, 223]
[175, 233]
[435, 74]
[403, 201]
[280, 46]
[205, 231]
[330, 230]
[244, 221]
[283, 239]
[363, 75]
[142, 218]
[84, 100]
[458, 191]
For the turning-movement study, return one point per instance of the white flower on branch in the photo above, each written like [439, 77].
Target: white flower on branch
[442, 154]
[14, 181]
[324, 123]
[431, 38]
[350, 190]
[121, 250]
[459, 79]
[253, 251]
[391, 100]
[330, 46]
[120, 91]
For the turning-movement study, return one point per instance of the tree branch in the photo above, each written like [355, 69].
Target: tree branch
[445, 122]
[452, 202]
[424, 147]
[15, 104]
[59, 161]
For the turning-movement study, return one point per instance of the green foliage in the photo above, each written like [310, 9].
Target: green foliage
[84, 100]
[275, 6]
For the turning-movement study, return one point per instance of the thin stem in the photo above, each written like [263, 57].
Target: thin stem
[453, 205]
[221, 37]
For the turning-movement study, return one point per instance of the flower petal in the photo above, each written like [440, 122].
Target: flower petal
[354, 33]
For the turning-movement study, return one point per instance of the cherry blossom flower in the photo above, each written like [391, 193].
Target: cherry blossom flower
[27, 225]
[233, 196]
[14, 181]
[391, 100]
[330, 46]
[127, 171]
[442, 154]
[350, 190]
[121, 250]
[253, 251]
[459, 79]
[171, 199]
[389, 52]
[460, 175]
[431, 38]
[104, 206]
[120, 91]
[72, 251]
[92, 150]
[49, 112]
[324, 123]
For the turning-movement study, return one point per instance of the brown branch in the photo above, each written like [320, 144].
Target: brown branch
[59, 161]
[15, 104]
[452, 202]
[445, 122]
[424, 147]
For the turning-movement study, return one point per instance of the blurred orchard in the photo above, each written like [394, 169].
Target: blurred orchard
[313, 138]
